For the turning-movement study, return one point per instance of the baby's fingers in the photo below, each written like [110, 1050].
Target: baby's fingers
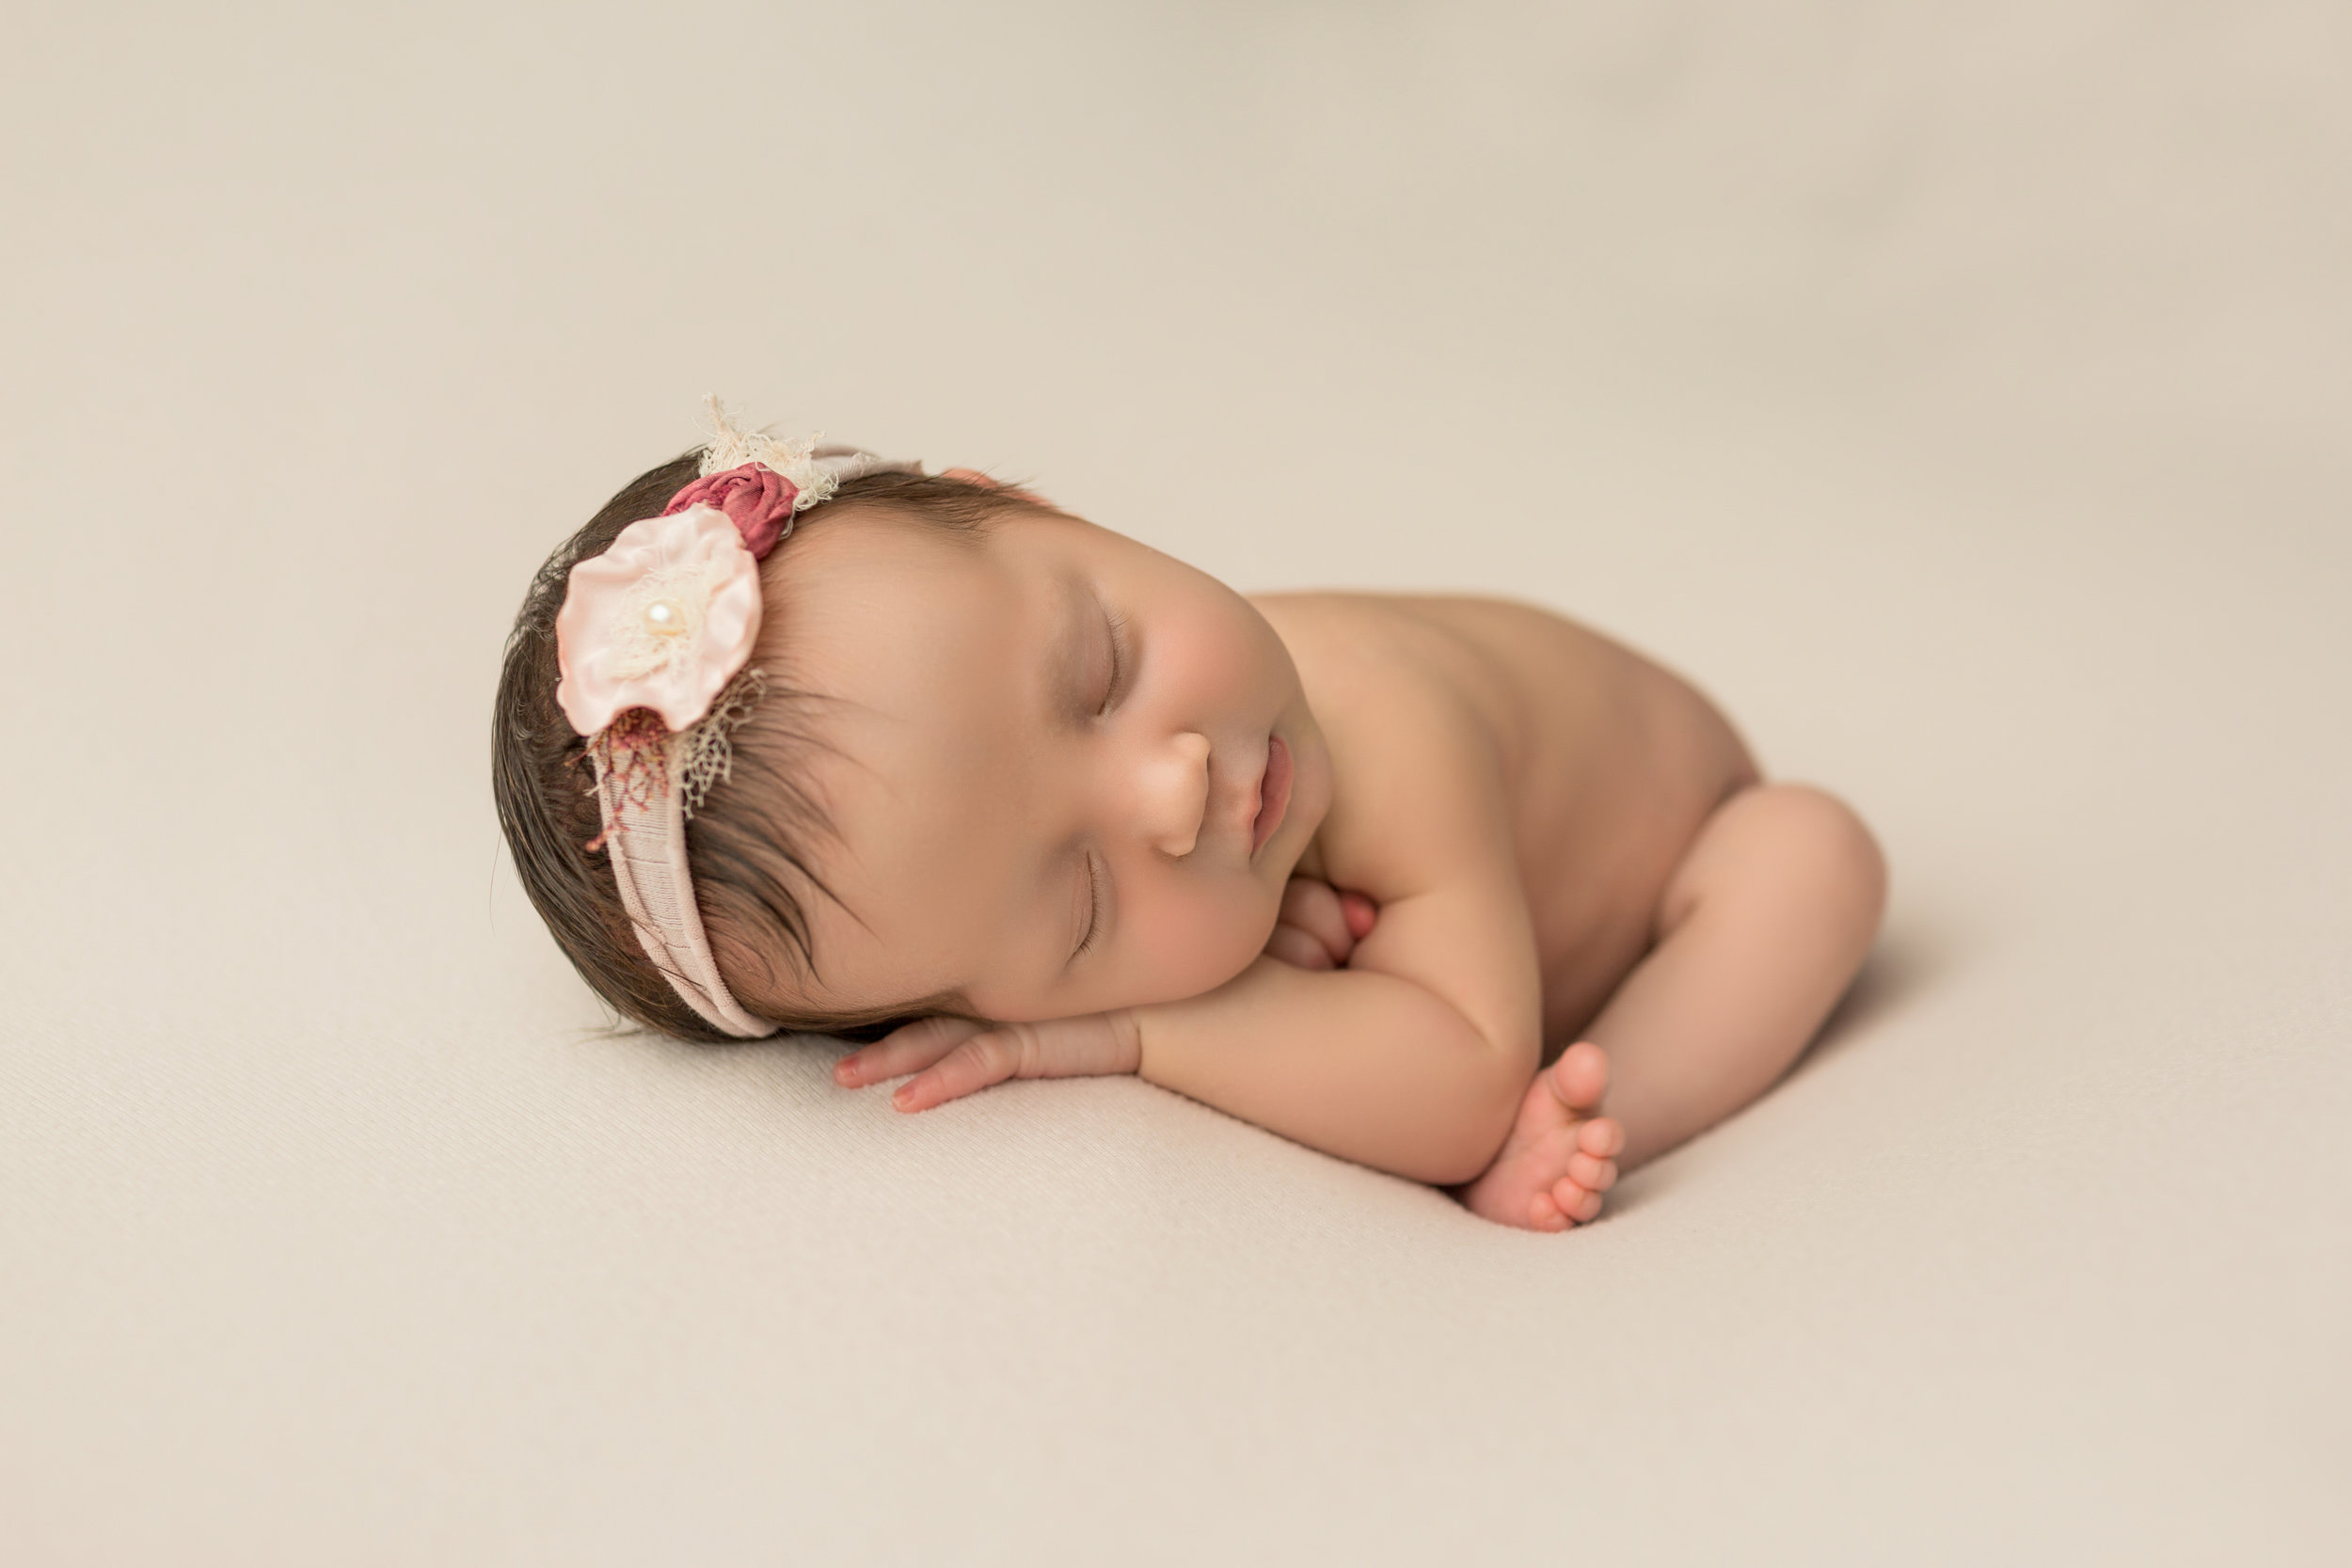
[1295, 947]
[1312, 908]
[984, 1059]
[903, 1050]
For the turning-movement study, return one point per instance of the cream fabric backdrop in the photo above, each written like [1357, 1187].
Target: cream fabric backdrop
[1958, 392]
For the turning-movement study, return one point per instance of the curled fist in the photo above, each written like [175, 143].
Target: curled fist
[1320, 925]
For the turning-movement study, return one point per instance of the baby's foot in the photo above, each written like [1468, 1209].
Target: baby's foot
[1560, 1157]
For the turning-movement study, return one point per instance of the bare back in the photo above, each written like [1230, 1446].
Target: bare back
[1610, 764]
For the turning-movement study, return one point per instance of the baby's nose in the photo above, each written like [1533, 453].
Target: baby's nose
[1175, 789]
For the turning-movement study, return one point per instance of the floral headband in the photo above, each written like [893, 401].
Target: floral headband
[652, 642]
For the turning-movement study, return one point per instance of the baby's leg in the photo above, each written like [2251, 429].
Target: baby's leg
[1759, 931]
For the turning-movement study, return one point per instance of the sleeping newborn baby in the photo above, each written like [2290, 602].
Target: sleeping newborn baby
[792, 738]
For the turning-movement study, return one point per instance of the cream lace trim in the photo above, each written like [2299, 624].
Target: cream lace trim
[731, 447]
[705, 752]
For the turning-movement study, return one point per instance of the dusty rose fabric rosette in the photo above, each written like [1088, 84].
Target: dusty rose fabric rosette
[756, 498]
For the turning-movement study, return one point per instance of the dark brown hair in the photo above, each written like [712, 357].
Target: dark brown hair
[750, 842]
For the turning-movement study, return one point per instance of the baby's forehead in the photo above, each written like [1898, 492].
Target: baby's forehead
[864, 561]
[849, 581]
[903, 616]
[914, 661]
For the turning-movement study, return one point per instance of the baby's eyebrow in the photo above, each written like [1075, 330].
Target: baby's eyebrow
[1066, 656]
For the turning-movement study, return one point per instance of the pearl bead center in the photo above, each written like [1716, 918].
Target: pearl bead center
[665, 617]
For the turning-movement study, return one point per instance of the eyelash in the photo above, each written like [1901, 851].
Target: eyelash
[1119, 662]
[1111, 694]
[1094, 907]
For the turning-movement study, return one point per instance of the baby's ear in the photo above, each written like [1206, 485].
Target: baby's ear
[973, 476]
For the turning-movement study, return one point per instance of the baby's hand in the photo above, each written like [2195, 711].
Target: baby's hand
[1320, 926]
[953, 1056]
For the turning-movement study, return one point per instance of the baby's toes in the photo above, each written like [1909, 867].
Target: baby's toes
[1601, 1138]
[1544, 1214]
[1580, 1076]
[1575, 1202]
[1593, 1176]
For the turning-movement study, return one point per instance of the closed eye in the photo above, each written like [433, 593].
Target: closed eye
[1121, 661]
[1094, 911]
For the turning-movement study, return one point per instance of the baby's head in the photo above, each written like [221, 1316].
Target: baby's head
[982, 757]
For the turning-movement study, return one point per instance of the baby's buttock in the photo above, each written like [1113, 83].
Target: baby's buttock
[1615, 766]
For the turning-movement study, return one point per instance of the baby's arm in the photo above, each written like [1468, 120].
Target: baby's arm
[1412, 1060]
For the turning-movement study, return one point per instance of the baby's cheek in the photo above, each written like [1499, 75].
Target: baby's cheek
[1188, 943]
[1217, 658]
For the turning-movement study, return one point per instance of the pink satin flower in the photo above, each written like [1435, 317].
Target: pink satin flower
[757, 499]
[662, 620]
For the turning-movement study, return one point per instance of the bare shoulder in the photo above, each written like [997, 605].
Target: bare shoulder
[1483, 646]
[1585, 738]
[1422, 814]
[1366, 643]
[1541, 686]
[1418, 750]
